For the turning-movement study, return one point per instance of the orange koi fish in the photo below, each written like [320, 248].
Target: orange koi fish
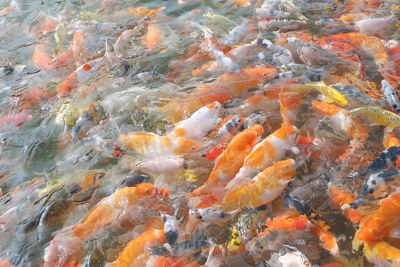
[290, 103]
[340, 196]
[154, 36]
[267, 152]
[42, 56]
[371, 46]
[262, 189]
[135, 251]
[176, 109]
[153, 145]
[378, 225]
[231, 160]
[67, 243]
[292, 220]
[240, 82]
[381, 250]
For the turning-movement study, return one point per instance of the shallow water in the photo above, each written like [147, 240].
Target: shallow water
[61, 151]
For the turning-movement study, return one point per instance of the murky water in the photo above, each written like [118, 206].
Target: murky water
[76, 76]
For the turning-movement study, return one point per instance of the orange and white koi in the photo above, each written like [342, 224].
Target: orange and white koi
[267, 152]
[231, 160]
[265, 187]
[135, 251]
[153, 145]
[199, 124]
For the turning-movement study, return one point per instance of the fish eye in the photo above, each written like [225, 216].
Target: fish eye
[193, 148]
[146, 191]
[373, 182]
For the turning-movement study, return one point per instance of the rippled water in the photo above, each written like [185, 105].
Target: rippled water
[50, 180]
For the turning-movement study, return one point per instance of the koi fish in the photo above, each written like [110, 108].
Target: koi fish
[377, 179]
[229, 129]
[67, 243]
[383, 161]
[381, 250]
[160, 165]
[292, 220]
[176, 109]
[342, 120]
[339, 197]
[41, 56]
[290, 103]
[330, 92]
[390, 95]
[390, 139]
[377, 115]
[154, 36]
[267, 152]
[240, 82]
[237, 34]
[199, 124]
[376, 226]
[152, 145]
[134, 250]
[265, 187]
[170, 228]
[231, 160]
